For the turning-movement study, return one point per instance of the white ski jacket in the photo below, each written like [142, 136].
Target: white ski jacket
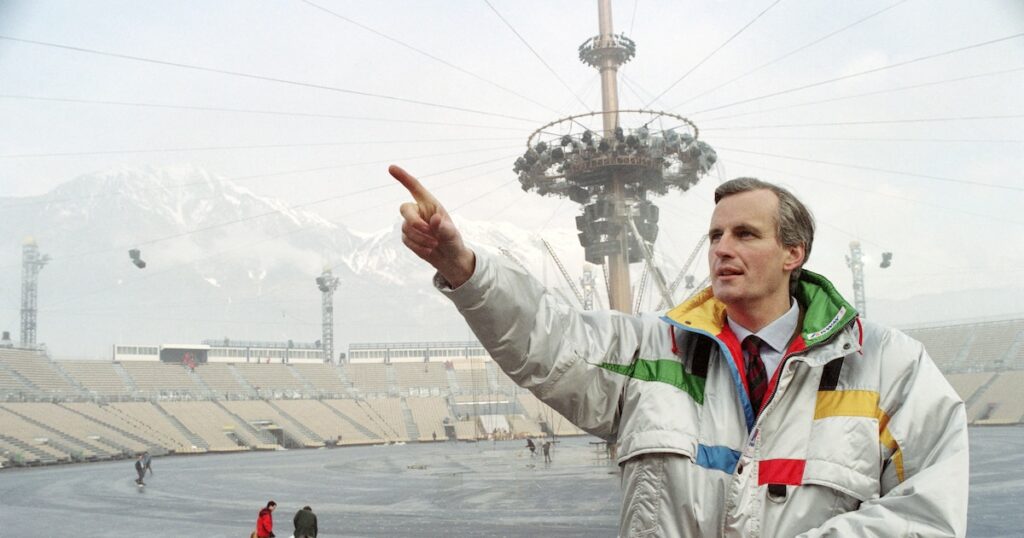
[859, 433]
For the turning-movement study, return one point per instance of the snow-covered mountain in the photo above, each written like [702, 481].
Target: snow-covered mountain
[225, 262]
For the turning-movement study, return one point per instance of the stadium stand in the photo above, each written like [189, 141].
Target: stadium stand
[161, 378]
[361, 414]
[388, 413]
[262, 416]
[63, 411]
[992, 342]
[221, 380]
[541, 413]
[472, 377]
[967, 384]
[26, 434]
[9, 384]
[154, 440]
[37, 369]
[323, 378]
[413, 376]
[16, 455]
[147, 416]
[103, 440]
[96, 376]
[1000, 401]
[430, 415]
[219, 430]
[944, 346]
[369, 378]
[274, 377]
[986, 346]
[327, 423]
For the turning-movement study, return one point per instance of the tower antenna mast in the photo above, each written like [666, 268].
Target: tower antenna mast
[613, 172]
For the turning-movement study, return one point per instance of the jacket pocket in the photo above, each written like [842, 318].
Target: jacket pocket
[642, 489]
[827, 490]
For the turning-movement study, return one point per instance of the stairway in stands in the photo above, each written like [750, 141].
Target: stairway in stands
[123, 374]
[196, 441]
[410, 423]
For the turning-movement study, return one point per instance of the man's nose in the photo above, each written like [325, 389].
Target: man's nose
[723, 247]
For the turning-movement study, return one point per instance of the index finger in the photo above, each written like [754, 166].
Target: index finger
[413, 185]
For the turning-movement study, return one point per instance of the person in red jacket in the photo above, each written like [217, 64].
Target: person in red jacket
[265, 521]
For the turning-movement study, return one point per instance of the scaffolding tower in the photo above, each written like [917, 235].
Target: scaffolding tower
[31, 263]
[855, 261]
[327, 283]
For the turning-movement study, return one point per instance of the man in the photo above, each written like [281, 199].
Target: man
[140, 470]
[265, 521]
[531, 446]
[821, 424]
[547, 451]
[305, 523]
[147, 463]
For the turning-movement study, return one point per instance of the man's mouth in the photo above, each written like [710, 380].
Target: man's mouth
[728, 271]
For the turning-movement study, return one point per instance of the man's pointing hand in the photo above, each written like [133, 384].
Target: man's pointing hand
[429, 232]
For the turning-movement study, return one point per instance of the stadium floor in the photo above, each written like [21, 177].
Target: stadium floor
[444, 489]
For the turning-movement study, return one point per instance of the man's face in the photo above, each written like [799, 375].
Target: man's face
[749, 266]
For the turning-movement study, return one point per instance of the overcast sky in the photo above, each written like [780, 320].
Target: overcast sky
[922, 159]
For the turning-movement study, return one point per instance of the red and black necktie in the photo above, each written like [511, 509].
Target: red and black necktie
[757, 377]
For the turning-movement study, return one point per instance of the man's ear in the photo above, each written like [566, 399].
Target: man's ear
[795, 256]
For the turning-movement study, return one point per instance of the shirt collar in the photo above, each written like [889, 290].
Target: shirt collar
[777, 333]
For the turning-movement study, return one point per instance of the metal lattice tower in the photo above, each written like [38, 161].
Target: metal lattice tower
[327, 284]
[589, 288]
[31, 263]
[613, 173]
[855, 261]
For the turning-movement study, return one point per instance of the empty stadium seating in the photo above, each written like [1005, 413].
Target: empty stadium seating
[270, 377]
[63, 411]
[430, 415]
[1000, 401]
[324, 378]
[97, 376]
[420, 375]
[161, 378]
[369, 378]
[220, 378]
[37, 369]
[261, 415]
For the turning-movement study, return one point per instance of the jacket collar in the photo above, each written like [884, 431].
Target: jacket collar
[826, 314]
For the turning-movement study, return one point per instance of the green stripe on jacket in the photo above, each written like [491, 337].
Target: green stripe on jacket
[663, 371]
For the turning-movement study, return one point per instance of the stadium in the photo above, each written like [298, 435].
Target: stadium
[72, 411]
[238, 153]
[468, 418]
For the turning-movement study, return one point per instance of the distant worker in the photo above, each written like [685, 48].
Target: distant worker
[265, 521]
[547, 451]
[531, 446]
[305, 523]
[140, 469]
[147, 463]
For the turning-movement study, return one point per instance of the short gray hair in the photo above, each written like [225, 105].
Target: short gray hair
[794, 223]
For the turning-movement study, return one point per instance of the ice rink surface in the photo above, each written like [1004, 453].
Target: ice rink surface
[444, 489]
